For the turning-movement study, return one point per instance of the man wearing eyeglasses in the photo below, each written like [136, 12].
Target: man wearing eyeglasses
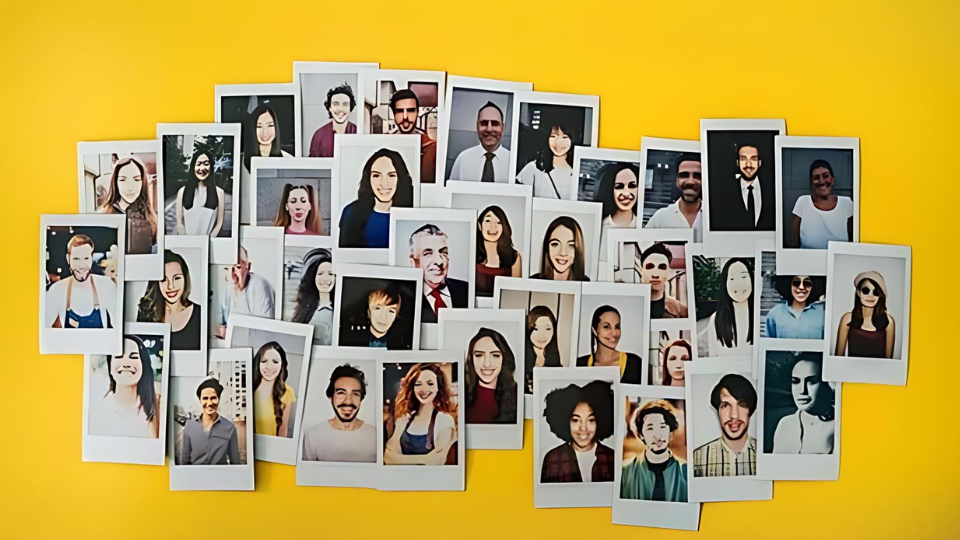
[685, 212]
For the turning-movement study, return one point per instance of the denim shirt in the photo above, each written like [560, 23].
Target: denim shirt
[784, 322]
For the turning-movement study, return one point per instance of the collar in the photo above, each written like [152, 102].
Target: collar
[442, 289]
[746, 447]
[744, 184]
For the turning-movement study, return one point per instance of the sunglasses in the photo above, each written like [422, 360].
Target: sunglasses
[686, 174]
[802, 284]
[868, 291]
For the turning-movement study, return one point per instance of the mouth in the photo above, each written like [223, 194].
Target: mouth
[423, 397]
[488, 373]
[562, 261]
[734, 425]
[804, 400]
[298, 215]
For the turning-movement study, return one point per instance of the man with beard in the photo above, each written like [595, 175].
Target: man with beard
[429, 251]
[747, 203]
[82, 300]
[685, 212]
[406, 110]
[339, 104]
[209, 439]
[655, 474]
[489, 161]
[246, 293]
[734, 453]
[343, 437]
[654, 265]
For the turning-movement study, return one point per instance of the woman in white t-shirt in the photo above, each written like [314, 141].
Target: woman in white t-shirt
[821, 216]
[131, 406]
[551, 173]
[200, 202]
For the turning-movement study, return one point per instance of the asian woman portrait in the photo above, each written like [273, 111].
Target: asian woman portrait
[731, 327]
[425, 429]
[273, 398]
[562, 255]
[618, 191]
[605, 333]
[489, 379]
[674, 356]
[131, 406]
[810, 430]
[496, 255]
[262, 135]
[801, 314]
[128, 194]
[551, 172]
[821, 217]
[384, 183]
[298, 212]
[169, 302]
[581, 417]
[200, 202]
[542, 347]
[868, 331]
[315, 295]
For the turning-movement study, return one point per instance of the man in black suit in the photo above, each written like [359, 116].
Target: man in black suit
[747, 203]
[429, 251]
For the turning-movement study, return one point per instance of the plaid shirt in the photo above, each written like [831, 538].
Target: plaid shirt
[716, 459]
[561, 465]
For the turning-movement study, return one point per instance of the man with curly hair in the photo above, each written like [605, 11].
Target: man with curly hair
[339, 104]
[655, 474]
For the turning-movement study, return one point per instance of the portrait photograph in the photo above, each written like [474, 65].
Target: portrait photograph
[818, 199]
[293, 193]
[789, 306]
[125, 399]
[377, 307]
[477, 128]
[327, 95]
[723, 297]
[308, 285]
[655, 258]
[211, 442]
[670, 351]
[81, 283]
[573, 436]
[406, 102]
[565, 241]
[120, 177]
[611, 178]
[548, 126]
[614, 328]
[198, 170]
[868, 313]
[673, 185]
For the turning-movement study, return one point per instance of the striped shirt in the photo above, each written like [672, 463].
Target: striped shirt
[716, 459]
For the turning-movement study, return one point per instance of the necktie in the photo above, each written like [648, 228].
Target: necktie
[438, 300]
[751, 207]
[488, 168]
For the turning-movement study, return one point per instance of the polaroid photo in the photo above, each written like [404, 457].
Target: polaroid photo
[281, 361]
[818, 199]
[672, 185]
[326, 99]
[652, 436]
[655, 258]
[181, 298]
[799, 414]
[490, 342]
[211, 441]
[503, 222]
[407, 102]
[670, 351]
[549, 126]
[125, 399]
[552, 309]
[868, 313]
[476, 137]
[615, 328]
[292, 193]
[565, 240]
[309, 282]
[721, 396]
[192, 154]
[377, 306]
[739, 180]
[612, 178]
[422, 450]
[81, 283]
[253, 286]
[574, 417]
[374, 174]
[120, 177]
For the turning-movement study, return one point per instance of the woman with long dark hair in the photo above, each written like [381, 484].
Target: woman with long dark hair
[200, 202]
[562, 254]
[868, 331]
[315, 295]
[298, 212]
[551, 172]
[618, 190]
[128, 195]
[384, 183]
[131, 407]
[426, 428]
[542, 348]
[273, 398]
[801, 314]
[811, 429]
[489, 379]
[169, 302]
[730, 328]
[262, 135]
[605, 335]
[674, 356]
[496, 255]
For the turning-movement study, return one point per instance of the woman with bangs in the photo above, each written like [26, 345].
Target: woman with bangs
[551, 172]
[200, 202]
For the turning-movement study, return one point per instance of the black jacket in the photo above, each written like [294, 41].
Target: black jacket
[729, 213]
[459, 295]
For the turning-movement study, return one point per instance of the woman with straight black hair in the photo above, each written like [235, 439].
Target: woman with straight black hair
[542, 348]
[618, 190]
[730, 328]
[131, 407]
[489, 379]
[551, 171]
[496, 255]
[262, 135]
[384, 183]
[868, 331]
[200, 202]
[605, 335]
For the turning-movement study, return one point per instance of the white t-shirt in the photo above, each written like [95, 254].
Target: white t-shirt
[548, 186]
[670, 217]
[586, 461]
[323, 443]
[817, 227]
[106, 418]
[198, 220]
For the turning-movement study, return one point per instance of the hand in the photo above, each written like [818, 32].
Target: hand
[437, 457]
[222, 331]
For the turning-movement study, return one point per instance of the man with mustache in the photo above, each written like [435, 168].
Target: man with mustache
[339, 104]
[429, 251]
[405, 106]
[655, 474]
[734, 453]
[343, 437]
[489, 161]
[209, 439]
[747, 203]
[654, 265]
[685, 212]
[82, 300]
[245, 293]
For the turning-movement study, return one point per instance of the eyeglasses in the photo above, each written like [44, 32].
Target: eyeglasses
[802, 284]
[867, 291]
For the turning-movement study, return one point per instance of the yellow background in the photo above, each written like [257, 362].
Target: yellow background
[886, 72]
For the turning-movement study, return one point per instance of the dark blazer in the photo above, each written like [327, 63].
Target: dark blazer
[729, 213]
[632, 373]
[560, 465]
[459, 295]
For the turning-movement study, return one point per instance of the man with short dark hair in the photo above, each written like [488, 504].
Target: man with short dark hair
[685, 212]
[339, 104]
[746, 203]
[654, 268]
[429, 250]
[655, 474]
[343, 437]
[405, 106]
[489, 161]
[734, 453]
[209, 439]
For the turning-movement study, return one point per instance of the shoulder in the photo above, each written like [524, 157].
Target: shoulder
[705, 446]
[604, 451]
[457, 284]
[103, 281]
[846, 318]
[583, 360]
[288, 395]
[227, 425]
[802, 203]
[556, 454]
[890, 319]
[468, 152]
[633, 357]
[529, 169]
[62, 284]
[444, 420]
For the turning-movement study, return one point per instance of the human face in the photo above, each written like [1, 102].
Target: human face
[868, 292]
[347, 395]
[800, 288]
[734, 416]
[129, 183]
[426, 387]
[583, 427]
[491, 228]
[266, 129]
[202, 167]
[298, 205]
[559, 142]
[674, 362]
[688, 180]
[325, 278]
[80, 259]
[805, 383]
[739, 283]
[209, 401]
[405, 115]
[608, 330]
[173, 282]
[270, 364]
[655, 433]
[542, 333]
[383, 179]
[822, 182]
[432, 255]
[655, 270]
[241, 270]
[381, 317]
[487, 361]
[127, 370]
[562, 248]
[489, 128]
[625, 187]
[339, 107]
[749, 161]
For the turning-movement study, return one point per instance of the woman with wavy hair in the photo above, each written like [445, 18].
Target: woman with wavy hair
[273, 398]
[384, 183]
[298, 212]
[489, 379]
[131, 407]
[315, 294]
[496, 255]
[730, 328]
[200, 202]
[605, 335]
[562, 255]
[618, 190]
[868, 331]
[426, 426]
[128, 195]
[811, 429]
[542, 347]
[169, 302]
[551, 171]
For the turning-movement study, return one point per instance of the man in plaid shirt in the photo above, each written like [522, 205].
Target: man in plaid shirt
[581, 417]
[734, 453]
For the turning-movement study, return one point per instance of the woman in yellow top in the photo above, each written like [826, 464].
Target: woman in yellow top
[605, 335]
[273, 398]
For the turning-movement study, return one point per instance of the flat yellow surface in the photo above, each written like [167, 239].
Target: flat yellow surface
[885, 72]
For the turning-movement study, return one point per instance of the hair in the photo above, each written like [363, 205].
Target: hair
[549, 122]
[342, 89]
[253, 145]
[152, 306]
[561, 402]
[595, 322]
[577, 270]
[607, 177]
[657, 248]
[490, 105]
[210, 383]
[308, 296]
[725, 322]
[667, 380]
[826, 402]
[739, 388]
[820, 164]
[402, 94]
[684, 157]
[388, 296]
[426, 230]
[879, 317]
[352, 227]
[551, 353]
[283, 216]
[661, 407]
[347, 371]
[146, 390]
[142, 201]
[79, 240]
[407, 402]
[505, 250]
[783, 286]
[279, 384]
[193, 182]
[505, 380]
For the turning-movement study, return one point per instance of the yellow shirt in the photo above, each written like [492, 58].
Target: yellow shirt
[264, 421]
[622, 360]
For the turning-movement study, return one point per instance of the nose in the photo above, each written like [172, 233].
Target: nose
[735, 413]
[564, 250]
[805, 390]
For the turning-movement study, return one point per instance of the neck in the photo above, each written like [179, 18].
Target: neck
[798, 306]
[541, 357]
[606, 355]
[622, 217]
[175, 307]
[485, 384]
[593, 444]
[561, 276]
[867, 312]
[265, 150]
[382, 207]
[125, 395]
[560, 162]
[688, 208]
[338, 127]
[490, 148]
[266, 387]
[209, 419]
[377, 334]
[324, 299]
[676, 382]
[297, 226]
[656, 458]
[735, 445]
[426, 409]
[86, 283]
[741, 309]
[123, 204]
[656, 294]
[821, 198]
[338, 425]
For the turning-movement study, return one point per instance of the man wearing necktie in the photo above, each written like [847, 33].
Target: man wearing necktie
[750, 205]
[488, 161]
[429, 251]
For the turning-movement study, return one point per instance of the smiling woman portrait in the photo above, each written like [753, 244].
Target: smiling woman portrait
[169, 301]
[562, 255]
[489, 379]
[426, 429]
[581, 417]
[496, 255]
[200, 203]
[730, 328]
[273, 398]
[384, 183]
[131, 406]
[128, 195]
[869, 330]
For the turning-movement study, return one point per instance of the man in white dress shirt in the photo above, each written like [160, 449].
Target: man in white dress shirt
[488, 161]
[246, 293]
[686, 212]
[429, 251]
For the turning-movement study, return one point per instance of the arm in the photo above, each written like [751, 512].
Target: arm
[265, 301]
[771, 325]
[55, 302]
[795, 232]
[109, 299]
[516, 268]
[842, 331]
[185, 448]
[891, 335]
[285, 421]
[219, 224]
[455, 170]
[712, 343]
[181, 228]
[393, 454]
[233, 449]
[154, 426]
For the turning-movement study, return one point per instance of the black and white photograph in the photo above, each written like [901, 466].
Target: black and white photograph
[789, 306]
[327, 99]
[293, 193]
[670, 351]
[655, 258]
[721, 289]
[308, 285]
[377, 307]
[612, 178]
[565, 240]
[673, 185]
[614, 328]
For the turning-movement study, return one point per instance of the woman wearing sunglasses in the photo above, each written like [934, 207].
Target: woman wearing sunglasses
[801, 314]
[868, 331]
